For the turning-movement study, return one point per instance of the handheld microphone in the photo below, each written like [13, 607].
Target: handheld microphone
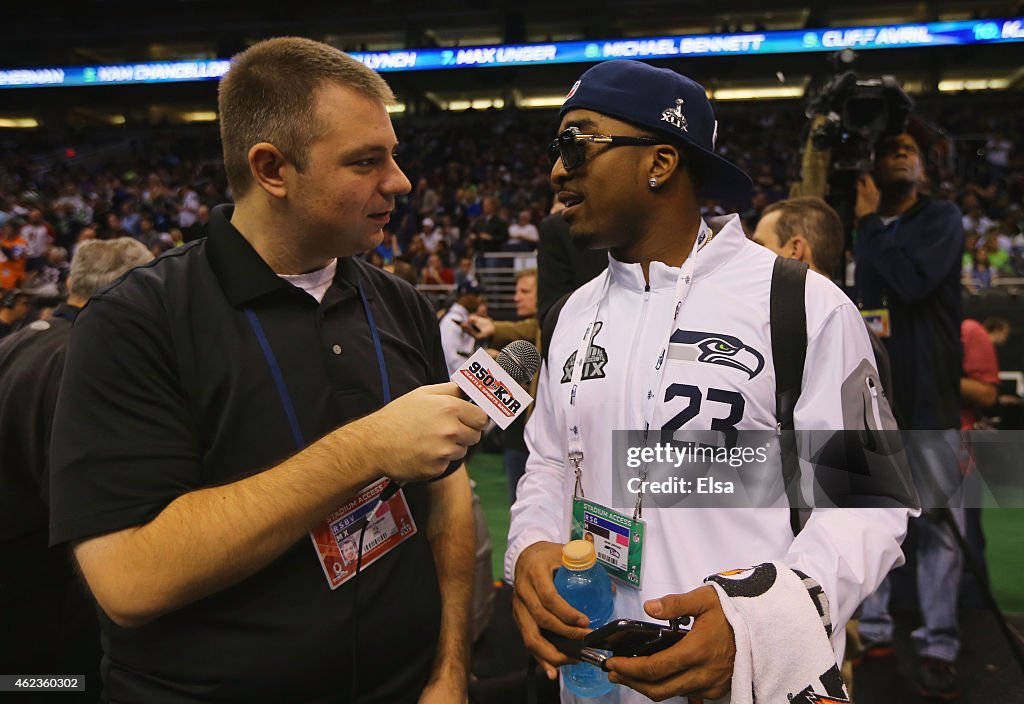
[521, 361]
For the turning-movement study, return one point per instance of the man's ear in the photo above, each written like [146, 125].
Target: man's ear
[267, 163]
[799, 249]
[667, 160]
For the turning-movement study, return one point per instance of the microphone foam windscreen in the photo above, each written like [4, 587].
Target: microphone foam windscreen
[521, 360]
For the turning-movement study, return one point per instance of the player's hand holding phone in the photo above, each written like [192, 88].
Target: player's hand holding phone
[699, 665]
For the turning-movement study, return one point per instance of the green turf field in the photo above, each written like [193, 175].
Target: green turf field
[1004, 531]
[488, 474]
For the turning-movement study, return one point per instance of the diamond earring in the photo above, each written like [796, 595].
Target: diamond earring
[653, 183]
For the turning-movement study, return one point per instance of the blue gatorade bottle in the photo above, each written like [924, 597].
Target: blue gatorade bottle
[583, 583]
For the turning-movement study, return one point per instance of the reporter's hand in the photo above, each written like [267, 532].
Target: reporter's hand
[536, 604]
[700, 665]
[417, 435]
[868, 197]
[484, 326]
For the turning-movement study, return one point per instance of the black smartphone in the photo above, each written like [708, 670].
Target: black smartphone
[631, 638]
[467, 323]
[576, 649]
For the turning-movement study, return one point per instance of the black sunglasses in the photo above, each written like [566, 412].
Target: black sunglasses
[571, 146]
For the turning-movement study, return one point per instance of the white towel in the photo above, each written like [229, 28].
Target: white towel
[781, 622]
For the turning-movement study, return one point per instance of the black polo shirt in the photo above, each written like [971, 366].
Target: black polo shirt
[31, 364]
[167, 391]
[44, 608]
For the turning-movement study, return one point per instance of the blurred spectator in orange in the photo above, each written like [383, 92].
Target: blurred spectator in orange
[13, 254]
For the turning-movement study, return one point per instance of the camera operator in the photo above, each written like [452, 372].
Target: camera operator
[908, 250]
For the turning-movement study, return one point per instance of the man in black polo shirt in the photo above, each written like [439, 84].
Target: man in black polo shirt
[46, 616]
[227, 427]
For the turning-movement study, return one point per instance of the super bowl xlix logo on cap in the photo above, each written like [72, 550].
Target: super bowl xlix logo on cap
[572, 91]
[675, 117]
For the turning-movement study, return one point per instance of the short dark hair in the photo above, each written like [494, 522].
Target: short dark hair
[814, 220]
[269, 95]
[14, 296]
[996, 324]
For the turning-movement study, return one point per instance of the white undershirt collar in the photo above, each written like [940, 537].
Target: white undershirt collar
[315, 283]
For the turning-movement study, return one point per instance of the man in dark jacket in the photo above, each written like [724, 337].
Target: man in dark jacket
[489, 232]
[45, 608]
[562, 264]
[908, 251]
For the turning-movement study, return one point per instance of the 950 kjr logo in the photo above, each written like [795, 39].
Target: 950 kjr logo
[494, 389]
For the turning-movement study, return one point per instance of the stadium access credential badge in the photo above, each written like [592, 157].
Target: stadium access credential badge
[877, 320]
[617, 538]
[336, 538]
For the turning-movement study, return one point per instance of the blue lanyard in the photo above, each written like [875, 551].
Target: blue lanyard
[282, 388]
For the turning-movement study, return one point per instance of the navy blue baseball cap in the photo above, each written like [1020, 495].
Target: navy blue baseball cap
[667, 104]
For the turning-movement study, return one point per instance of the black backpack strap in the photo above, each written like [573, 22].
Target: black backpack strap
[547, 327]
[789, 350]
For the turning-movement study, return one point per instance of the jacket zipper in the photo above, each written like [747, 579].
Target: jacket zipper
[636, 342]
[875, 413]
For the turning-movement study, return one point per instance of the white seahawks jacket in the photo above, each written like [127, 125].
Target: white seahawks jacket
[847, 551]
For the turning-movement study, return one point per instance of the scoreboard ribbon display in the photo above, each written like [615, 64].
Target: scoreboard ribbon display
[900, 36]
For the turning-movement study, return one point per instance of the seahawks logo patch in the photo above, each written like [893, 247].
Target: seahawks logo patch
[593, 365]
[715, 348]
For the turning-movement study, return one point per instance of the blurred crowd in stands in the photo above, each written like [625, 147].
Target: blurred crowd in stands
[480, 185]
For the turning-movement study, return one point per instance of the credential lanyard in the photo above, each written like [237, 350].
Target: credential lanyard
[278, 376]
[655, 377]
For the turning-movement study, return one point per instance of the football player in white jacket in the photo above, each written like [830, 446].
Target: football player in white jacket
[676, 335]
